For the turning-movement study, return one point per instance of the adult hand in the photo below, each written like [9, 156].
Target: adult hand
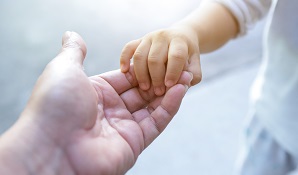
[73, 124]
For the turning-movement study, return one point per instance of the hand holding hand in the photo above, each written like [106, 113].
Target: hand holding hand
[79, 125]
[161, 56]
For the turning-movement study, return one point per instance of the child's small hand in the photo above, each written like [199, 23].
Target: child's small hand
[161, 56]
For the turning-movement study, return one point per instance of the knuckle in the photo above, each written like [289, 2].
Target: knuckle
[138, 55]
[178, 55]
[160, 35]
[153, 60]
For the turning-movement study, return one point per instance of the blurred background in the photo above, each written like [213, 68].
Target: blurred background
[204, 136]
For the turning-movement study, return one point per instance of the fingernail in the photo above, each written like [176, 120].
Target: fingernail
[186, 88]
[159, 91]
[144, 86]
[169, 83]
[191, 75]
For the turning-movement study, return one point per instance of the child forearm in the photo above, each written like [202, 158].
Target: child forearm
[213, 24]
[160, 56]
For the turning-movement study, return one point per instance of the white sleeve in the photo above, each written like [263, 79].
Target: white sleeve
[247, 12]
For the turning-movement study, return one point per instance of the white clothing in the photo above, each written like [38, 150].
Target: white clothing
[260, 153]
[247, 12]
[277, 103]
[275, 91]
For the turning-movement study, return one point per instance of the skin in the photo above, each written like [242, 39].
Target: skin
[73, 124]
[161, 56]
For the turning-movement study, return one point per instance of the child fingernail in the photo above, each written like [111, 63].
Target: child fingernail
[169, 83]
[144, 86]
[159, 91]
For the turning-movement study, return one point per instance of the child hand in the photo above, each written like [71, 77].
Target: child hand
[161, 56]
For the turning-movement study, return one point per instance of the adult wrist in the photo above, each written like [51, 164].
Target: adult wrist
[24, 150]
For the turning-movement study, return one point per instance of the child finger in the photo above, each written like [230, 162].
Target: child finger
[195, 68]
[156, 61]
[177, 57]
[140, 64]
[127, 53]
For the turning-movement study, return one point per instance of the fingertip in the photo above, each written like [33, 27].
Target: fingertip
[197, 78]
[128, 51]
[144, 86]
[72, 40]
[195, 69]
[124, 63]
[169, 83]
[73, 48]
[195, 81]
[159, 91]
[124, 68]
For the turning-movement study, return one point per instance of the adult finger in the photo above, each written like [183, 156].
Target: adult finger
[127, 53]
[120, 81]
[136, 99]
[153, 125]
[142, 100]
[140, 64]
[177, 57]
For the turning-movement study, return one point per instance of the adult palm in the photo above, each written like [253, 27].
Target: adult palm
[95, 125]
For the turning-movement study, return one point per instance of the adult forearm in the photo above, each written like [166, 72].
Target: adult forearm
[24, 150]
[12, 160]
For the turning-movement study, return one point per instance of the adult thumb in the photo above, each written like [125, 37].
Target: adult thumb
[73, 48]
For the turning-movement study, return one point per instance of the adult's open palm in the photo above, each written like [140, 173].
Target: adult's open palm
[102, 123]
